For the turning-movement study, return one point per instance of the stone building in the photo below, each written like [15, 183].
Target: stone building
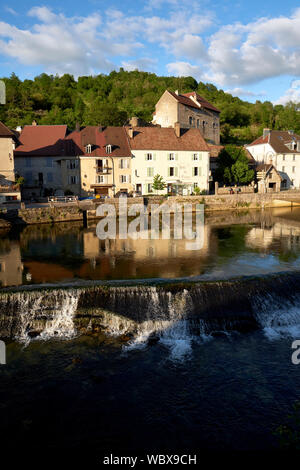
[8, 141]
[191, 111]
[282, 150]
[180, 156]
[99, 161]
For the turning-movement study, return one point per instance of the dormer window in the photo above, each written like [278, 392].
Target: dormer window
[88, 148]
[108, 148]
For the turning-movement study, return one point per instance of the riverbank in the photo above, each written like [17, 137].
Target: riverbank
[84, 212]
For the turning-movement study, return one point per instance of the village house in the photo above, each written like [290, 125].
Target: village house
[8, 141]
[38, 157]
[282, 150]
[180, 156]
[191, 111]
[99, 163]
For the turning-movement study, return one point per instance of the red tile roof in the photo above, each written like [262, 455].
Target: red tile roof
[41, 141]
[164, 138]
[5, 132]
[187, 101]
[98, 138]
[278, 140]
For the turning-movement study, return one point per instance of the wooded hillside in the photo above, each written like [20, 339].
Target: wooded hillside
[112, 99]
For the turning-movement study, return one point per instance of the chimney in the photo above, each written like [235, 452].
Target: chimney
[266, 132]
[176, 92]
[130, 132]
[134, 121]
[77, 127]
[177, 129]
[34, 123]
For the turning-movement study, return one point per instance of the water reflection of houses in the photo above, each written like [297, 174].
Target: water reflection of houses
[11, 267]
[168, 256]
[283, 229]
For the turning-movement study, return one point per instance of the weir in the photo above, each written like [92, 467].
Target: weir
[160, 310]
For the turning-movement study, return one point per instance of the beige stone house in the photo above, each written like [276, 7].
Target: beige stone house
[191, 111]
[268, 178]
[8, 141]
[98, 162]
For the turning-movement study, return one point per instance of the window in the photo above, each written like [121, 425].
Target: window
[149, 156]
[73, 179]
[283, 168]
[124, 163]
[195, 171]
[283, 157]
[149, 187]
[195, 156]
[50, 177]
[108, 148]
[190, 121]
[195, 185]
[198, 123]
[125, 178]
[171, 156]
[294, 158]
[150, 172]
[293, 169]
[101, 179]
[88, 148]
[72, 164]
[49, 162]
[173, 171]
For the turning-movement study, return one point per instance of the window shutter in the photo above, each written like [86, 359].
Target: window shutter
[176, 156]
[129, 179]
[120, 179]
[69, 179]
[169, 171]
[145, 156]
[68, 163]
[200, 156]
[154, 156]
[77, 179]
[192, 157]
[199, 171]
[77, 163]
[176, 171]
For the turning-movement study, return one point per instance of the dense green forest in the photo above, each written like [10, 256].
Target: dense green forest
[112, 99]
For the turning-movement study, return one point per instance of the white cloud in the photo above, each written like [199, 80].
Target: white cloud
[292, 94]
[242, 92]
[10, 10]
[184, 69]
[241, 54]
[144, 64]
[63, 45]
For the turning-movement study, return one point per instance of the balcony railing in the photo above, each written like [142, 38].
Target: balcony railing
[104, 170]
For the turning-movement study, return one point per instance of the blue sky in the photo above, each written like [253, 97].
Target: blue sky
[251, 49]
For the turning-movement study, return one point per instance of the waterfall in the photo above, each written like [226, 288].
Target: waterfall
[173, 314]
[277, 316]
[38, 314]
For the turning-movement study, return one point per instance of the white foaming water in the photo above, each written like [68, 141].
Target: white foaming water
[62, 324]
[32, 307]
[278, 319]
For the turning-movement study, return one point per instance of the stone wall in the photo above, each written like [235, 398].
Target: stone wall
[46, 215]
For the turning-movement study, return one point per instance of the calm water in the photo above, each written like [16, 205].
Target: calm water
[99, 393]
[234, 244]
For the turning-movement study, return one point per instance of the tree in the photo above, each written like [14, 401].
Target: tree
[158, 183]
[233, 166]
